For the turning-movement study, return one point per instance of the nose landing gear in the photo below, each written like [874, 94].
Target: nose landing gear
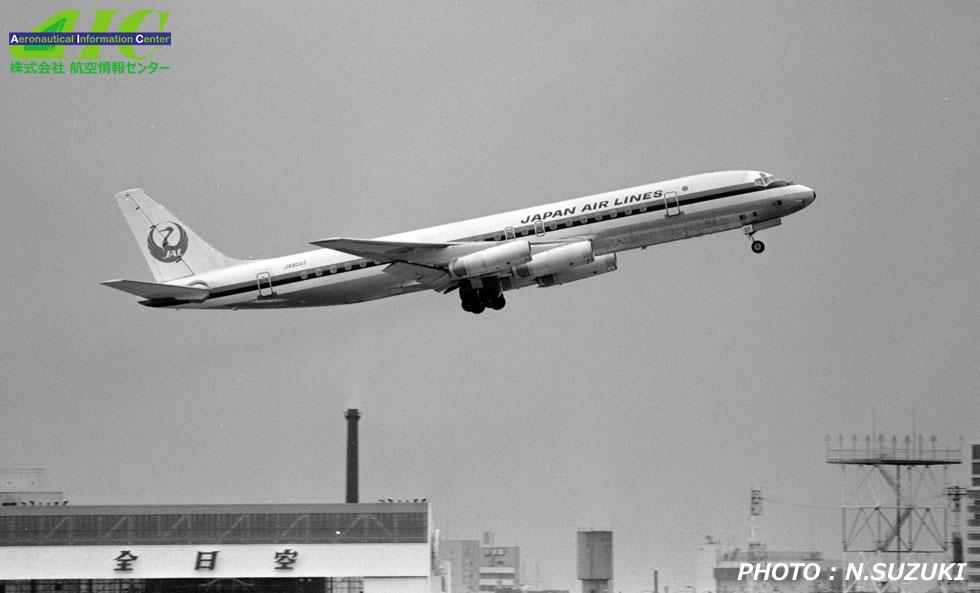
[751, 229]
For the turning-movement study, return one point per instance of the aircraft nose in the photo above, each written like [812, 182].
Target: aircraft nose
[808, 196]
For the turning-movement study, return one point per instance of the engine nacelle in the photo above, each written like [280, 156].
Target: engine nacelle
[493, 260]
[601, 265]
[557, 260]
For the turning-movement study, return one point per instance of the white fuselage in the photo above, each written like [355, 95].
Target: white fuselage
[614, 221]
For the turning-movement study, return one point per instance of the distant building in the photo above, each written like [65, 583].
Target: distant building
[704, 575]
[499, 568]
[971, 544]
[464, 556]
[718, 571]
[525, 589]
[477, 566]
[25, 487]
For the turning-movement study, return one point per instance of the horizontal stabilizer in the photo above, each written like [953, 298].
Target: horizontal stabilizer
[154, 291]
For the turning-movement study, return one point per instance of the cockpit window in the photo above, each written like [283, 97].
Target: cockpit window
[764, 179]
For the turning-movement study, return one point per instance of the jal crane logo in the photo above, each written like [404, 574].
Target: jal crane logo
[167, 242]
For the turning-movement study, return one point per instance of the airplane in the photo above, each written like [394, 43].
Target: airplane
[480, 258]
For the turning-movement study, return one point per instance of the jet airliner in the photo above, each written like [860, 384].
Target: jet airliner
[480, 258]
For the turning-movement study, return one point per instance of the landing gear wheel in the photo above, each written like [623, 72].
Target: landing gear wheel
[473, 306]
[470, 300]
[488, 294]
[497, 303]
[758, 246]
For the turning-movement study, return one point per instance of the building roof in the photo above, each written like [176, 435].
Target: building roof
[214, 524]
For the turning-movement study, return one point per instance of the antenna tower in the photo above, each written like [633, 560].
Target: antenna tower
[892, 498]
[757, 548]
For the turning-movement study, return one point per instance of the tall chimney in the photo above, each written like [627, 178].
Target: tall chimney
[352, 416]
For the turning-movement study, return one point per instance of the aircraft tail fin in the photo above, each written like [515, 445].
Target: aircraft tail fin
[170, 247]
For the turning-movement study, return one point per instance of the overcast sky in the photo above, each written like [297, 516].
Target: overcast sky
[649, 401]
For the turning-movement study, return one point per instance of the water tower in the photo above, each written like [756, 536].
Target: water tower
[595, 561]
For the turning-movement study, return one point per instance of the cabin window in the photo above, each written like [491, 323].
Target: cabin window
[303, 275]
[318, 272]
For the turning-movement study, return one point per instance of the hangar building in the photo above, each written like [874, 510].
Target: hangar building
[308, 548]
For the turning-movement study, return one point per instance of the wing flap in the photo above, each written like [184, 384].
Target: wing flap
[154, 291]
[432, 278]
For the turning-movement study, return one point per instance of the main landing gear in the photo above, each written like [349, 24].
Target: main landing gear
[758, 246]
[476, 299]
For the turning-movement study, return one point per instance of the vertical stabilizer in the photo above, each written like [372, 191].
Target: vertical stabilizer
[170, 247]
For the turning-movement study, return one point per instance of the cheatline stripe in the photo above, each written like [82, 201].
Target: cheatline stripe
[526, 230]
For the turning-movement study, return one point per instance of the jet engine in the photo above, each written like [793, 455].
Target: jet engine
[601, 265]
[557, 260]
[493, 260]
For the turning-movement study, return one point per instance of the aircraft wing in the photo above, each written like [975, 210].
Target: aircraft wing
[432, 278]
[153, 291]
[424, 263]
[436, 255]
